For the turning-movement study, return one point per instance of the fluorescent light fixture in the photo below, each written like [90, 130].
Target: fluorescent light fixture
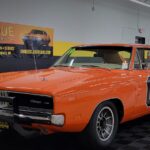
[140, 3]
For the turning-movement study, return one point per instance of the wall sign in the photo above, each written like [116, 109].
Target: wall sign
[22, 45]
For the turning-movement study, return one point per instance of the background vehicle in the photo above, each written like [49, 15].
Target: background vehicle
[90, 89]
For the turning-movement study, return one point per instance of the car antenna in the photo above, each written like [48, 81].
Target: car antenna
[34, 58]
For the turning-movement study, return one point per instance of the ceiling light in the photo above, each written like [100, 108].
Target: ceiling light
[140, 3]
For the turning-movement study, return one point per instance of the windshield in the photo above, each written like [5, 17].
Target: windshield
[101, 57]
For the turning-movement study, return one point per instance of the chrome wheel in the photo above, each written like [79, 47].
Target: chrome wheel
[105, 123]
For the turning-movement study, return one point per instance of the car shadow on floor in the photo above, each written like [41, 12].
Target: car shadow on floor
[131, 135]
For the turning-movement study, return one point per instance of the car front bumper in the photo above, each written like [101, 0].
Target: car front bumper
[28, 109]
[47, 119]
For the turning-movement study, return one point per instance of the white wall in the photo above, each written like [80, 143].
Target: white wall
[73, 20]
[116, 21]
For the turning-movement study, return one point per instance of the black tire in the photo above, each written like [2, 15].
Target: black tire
[94, 133]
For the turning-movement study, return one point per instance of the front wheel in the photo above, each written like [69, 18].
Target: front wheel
[103, 126]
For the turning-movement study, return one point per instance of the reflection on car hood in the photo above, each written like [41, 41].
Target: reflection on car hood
[54, 80]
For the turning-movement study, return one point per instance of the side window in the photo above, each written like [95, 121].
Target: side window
[144, 55]
[137, 63]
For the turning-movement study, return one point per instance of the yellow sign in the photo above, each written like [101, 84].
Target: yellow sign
[15, 33]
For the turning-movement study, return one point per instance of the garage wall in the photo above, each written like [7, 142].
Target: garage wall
[74, 21]
[117, 21]
[65, 16]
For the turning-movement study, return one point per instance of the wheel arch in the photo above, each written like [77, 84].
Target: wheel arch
[119, 106]
[91, 129]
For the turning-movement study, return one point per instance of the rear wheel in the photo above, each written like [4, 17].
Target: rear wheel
[103, 126]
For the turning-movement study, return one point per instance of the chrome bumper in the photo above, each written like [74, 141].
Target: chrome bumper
[11, 117]
[26, 108]
[40, 118]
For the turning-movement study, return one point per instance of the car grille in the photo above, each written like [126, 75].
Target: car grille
[32, 101]
[26, 104]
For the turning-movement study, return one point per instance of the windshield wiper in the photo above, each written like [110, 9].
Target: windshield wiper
[89, 66]
[95, 67]
[61, 65]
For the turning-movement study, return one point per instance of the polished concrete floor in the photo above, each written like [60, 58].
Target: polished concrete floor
[133, 135]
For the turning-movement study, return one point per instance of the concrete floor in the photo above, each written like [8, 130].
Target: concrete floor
[134, 135]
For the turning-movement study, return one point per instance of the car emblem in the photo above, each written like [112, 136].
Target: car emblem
[3, 94]
[35, 101]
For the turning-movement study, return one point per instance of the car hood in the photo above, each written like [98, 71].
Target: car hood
[54, 80]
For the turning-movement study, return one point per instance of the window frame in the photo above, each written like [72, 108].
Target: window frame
[139, 58]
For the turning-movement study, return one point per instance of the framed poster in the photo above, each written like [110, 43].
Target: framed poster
[24, 46]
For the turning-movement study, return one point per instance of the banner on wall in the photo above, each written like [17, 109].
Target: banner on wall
[21, 45]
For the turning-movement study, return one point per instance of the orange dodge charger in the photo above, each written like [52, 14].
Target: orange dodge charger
[90, 89]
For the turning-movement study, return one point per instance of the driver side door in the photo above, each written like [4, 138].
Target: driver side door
[141, 75]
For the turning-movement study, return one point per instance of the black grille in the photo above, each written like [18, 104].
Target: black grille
[32, 101]
[26, 104]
